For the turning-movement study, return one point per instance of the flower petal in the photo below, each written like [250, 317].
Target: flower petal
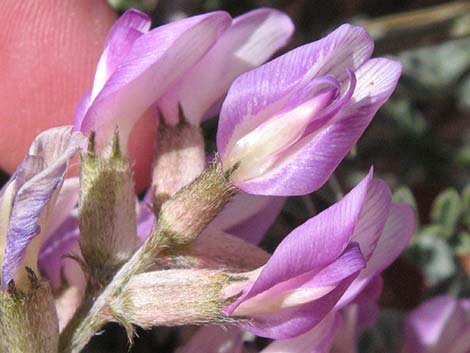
[314, 158]
[51, 151]
[130, 26]
[250, 41]
[319, 236]
[434, 325]
[297, 320]
[373, 217]
[317, 340]
[155, 61]
[248, 216]
[145, 216]
[260, 89]
[397, 232]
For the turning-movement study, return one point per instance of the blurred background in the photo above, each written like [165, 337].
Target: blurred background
[419, 143]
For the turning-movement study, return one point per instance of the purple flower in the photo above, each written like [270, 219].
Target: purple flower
[317, 340]
[441, 324]
[251, 40]
[289, 123]
[27, 200]
[138, 66]
[326, 263]
[357, 317]
[383, 231]
[249, 217]
[307, 274]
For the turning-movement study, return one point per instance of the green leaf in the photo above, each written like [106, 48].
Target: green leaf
[463, 244]
[446, 210]
[404, 194]
[434, 256]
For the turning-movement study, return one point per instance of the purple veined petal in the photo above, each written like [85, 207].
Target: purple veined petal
[258, 150]
[25, 171]
[317, 340]
[260, 90]
[396, 234]
[61, 231]
[58, 245]
[249, 217]
[373, 217]
[254, 228]
[296, 320]
[314, 158]
[155, 61]
[330, 112]
[130, 26]
[214, 339]
[434, 325]
[251, 40]
[81, 110]
[319, 236]
[53, 148]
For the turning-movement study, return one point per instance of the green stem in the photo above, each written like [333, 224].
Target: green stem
[181, 220]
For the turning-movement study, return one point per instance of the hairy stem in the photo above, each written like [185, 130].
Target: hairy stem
[90, 318]
[182, 218]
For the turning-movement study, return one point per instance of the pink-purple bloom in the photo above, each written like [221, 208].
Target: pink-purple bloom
[189, 63]
[30, 203]
[251, 39]
[137, 67]
[442, 324]
[326, 263]
[286, 125]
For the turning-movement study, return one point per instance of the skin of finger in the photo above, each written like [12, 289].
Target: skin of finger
[48, 54]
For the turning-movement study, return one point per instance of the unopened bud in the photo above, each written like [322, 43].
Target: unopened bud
[173, 298]
[107, 211]
[184, 216]
[28, 321]
[180, 158]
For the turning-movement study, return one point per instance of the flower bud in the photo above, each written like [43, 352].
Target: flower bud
[28, 322]
[189, 211]
[172, 298]
[440, 324]
[180, 158]
[107, 210]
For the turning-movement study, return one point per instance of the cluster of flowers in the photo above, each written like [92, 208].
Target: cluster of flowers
[179, 257]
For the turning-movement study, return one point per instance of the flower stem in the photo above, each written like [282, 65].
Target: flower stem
[182, 218]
